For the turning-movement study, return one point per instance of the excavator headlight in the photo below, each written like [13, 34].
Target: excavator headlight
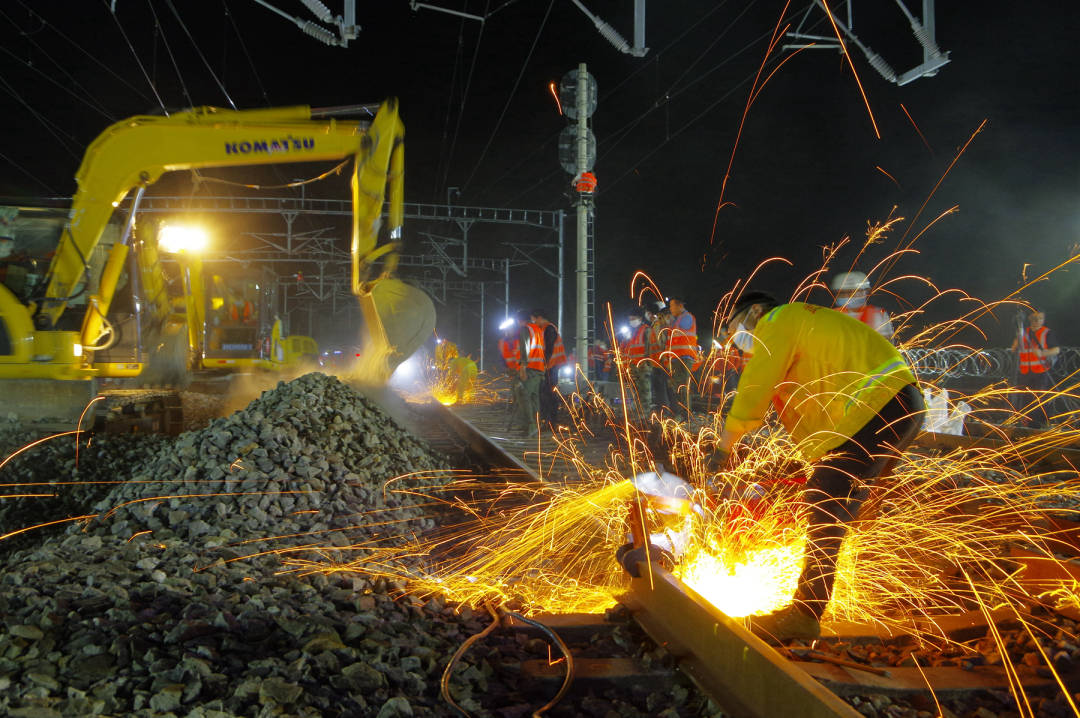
[76, 349]
[176, 238]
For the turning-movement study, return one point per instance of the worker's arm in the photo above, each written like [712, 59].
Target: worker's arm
[773, 350]
[1052, 348]
[883, 324]
[523, 350]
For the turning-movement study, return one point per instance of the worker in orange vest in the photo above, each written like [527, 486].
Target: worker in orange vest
[635, 350]
[682, 350]
[532, 365]
[851, 290]
[554, 359]
[1037, 351]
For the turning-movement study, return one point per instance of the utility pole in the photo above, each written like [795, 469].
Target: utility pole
[581, 349]
[577, 154]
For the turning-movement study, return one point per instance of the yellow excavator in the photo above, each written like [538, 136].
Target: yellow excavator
[56, 337]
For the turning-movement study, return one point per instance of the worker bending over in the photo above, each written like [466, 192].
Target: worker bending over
[851, 403]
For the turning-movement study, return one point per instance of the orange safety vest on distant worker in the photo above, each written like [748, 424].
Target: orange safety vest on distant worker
[682, 339]
[634, 347]
[510, 350]
[1029, 360]
[534, 349]
[558, 353]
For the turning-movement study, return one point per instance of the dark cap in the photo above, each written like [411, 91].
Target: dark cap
[750, 298]
[636, 312]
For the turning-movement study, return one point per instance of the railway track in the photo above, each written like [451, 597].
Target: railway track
[853, 670]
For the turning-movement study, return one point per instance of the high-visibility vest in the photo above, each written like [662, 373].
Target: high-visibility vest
[558, 353]
[634, 347]
[534, 349]
[682, 341]
[1029, 360]
[510, 349]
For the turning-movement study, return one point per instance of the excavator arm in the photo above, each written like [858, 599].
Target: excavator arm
[137, 151]
[133, 154]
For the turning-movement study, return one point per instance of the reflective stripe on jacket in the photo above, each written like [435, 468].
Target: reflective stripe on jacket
[634, 347]
[1029, 360]
[682, 338]
[510, 351]
[826, 373]
[534, 348]
[558, 353]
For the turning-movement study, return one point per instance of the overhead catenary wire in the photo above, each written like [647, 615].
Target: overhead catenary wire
[655, 61]
[464, 98]
[449, 104]
[134, 54]
[168, 50]
[45, 122]
[27, 172]
[45, 76]
[510, 97]
[82, 50]
[195, 45]
[247, 55]
[87, 97]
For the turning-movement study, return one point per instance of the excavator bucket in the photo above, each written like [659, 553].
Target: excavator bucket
[399, 318]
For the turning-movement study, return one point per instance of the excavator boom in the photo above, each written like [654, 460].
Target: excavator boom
[134, 153]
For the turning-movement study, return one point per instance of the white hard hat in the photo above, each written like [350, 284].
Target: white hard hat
[850, 282]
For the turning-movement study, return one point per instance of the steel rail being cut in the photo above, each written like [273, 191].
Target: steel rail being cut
[738, 670]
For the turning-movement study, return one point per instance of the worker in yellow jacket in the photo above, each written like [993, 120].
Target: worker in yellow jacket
[851, 403]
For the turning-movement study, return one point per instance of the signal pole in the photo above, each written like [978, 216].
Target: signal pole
[581, 348]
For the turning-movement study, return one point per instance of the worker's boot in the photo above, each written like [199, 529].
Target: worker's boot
[788, 622]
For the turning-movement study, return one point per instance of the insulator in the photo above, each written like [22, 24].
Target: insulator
[878, 63]
[612, 36]
[924, 39]
[319, 10]
[319, 33]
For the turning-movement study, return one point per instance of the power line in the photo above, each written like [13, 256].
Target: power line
[199, 52]
[654, 60]
[26, 172]
[449, 104]
[80, 48]
[464, 97]
[135, 55]
[63, 87]
[243, 46]
[510, 98]
[168, 49]
[49, 126]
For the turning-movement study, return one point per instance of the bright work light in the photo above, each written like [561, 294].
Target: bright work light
[176, 238]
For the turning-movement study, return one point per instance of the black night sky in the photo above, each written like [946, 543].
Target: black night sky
[807, 172]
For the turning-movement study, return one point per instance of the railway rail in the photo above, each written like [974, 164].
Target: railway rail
[738, 671]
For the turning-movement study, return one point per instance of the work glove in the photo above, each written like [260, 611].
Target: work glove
[629, 557]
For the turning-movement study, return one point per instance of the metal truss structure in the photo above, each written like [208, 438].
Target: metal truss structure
[923, 30]
[313, 266]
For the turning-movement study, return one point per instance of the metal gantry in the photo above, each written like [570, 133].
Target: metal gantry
[444, 268]
[923, 29]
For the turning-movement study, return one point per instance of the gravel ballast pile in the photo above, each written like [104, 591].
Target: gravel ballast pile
[142, 611]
